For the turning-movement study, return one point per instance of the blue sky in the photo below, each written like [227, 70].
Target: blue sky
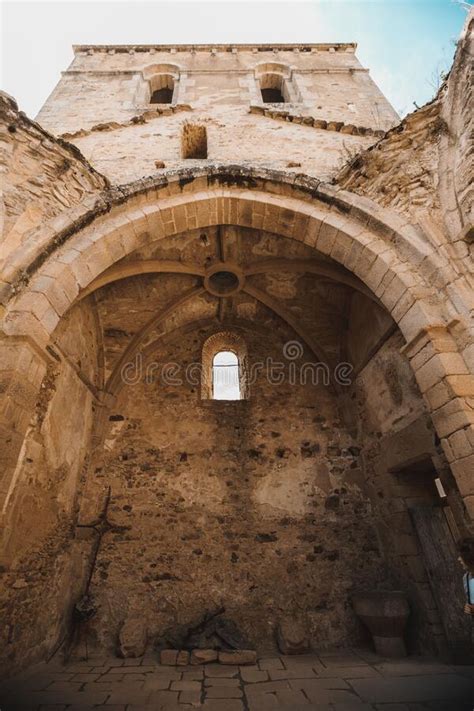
[405, 43]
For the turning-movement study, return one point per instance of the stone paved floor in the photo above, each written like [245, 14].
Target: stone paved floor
[337, 681]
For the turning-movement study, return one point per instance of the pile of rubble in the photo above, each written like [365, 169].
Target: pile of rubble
[213, 638]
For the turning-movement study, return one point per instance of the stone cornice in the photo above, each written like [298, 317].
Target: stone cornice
[127, 48]
[191, 72]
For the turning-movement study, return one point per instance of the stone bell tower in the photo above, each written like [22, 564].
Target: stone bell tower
[133, 109]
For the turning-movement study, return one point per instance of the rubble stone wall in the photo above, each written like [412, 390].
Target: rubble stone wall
[42, 177]
[393, 428]
[256, 505]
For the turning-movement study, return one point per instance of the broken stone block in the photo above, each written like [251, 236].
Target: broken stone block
[238, 657]
[385, 613]
[203, 656]
[292, 637]
[174, 657]
[182, 659]
[168, 657]
[132, 638]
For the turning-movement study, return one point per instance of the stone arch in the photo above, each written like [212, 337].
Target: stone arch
[158, 77]
[395, 261]
[224, 341]
[278, 78]
[162, 68]
[372, 250]
[272, 67]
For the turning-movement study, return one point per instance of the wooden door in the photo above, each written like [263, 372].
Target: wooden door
[445, 577]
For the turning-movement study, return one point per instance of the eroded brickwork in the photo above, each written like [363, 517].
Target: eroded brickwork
[41, 177]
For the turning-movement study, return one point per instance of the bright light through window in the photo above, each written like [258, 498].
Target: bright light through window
[225, 376]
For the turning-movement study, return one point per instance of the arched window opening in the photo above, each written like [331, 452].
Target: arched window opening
[161, 89]
[272, 87]
[225, 376]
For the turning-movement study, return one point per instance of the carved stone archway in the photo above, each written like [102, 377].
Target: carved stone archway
[394, 260]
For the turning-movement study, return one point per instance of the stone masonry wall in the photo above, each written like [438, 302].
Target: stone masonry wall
[250, 504]
[102, 105]
[422, 168]
[267, 506]
[394, 429]
[45, 574]
[41, 177]
[400, 170]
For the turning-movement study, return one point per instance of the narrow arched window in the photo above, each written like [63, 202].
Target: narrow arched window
[225, 376]
[225, 369]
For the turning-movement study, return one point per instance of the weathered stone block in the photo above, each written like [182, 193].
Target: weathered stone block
[182, 660]
[238, 657]
[203, 656]
[169, 657]
[292, 636]
[133, 638]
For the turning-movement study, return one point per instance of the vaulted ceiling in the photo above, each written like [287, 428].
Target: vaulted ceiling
[227, 275]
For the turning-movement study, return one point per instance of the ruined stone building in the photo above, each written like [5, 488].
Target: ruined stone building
[173, 203]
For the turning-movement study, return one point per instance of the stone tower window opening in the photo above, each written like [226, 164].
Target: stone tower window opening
[224, 367]
[276, 83]
[162, 87]
[225, 376]
[193, 140]
[273, 89]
